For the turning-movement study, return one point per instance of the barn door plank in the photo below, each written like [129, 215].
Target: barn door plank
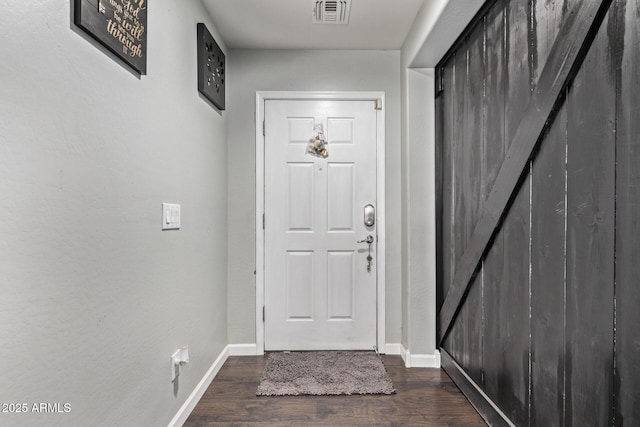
[506, 262]
[468, 339]
[548, 214]
[627, 292]
[494, 100]
[547, 277]
[460, 202]
[495, 151]
[439, 184]
[591, 112]
[448, 169]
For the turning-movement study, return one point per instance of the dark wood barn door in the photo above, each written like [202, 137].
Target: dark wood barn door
[538, 115]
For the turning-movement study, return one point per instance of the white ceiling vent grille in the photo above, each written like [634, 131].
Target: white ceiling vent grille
[331, 11]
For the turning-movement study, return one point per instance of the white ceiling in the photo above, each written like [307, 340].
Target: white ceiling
[286, 24]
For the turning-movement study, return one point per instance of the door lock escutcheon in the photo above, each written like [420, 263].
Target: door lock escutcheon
[369, 215]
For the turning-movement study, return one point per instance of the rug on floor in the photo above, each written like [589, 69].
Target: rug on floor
[320, 373]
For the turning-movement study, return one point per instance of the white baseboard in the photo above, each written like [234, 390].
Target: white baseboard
[426, 360]
[243, 349]
[420, 360]
[393, 348]
[405, 356]
[195, 396]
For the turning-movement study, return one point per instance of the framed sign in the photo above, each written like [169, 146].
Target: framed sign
[211, 67]
[119, 25]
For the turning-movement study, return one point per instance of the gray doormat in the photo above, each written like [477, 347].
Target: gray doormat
[319, 373]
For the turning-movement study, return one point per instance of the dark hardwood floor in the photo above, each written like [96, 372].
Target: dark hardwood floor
[424, 397]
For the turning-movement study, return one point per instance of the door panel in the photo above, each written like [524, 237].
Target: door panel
[341, 188]
[318, 291]
[301, 212]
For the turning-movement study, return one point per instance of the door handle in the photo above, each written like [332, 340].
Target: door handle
[369, 215]
[368, 240]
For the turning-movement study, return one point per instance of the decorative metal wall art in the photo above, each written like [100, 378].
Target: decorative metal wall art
[211, 66]
[118, 25]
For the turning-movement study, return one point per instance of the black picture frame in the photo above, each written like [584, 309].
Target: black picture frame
[211, 68]
[118, 25]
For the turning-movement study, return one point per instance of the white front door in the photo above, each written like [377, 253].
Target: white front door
[320, 289]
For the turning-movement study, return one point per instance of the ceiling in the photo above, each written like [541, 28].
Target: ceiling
[286, 24]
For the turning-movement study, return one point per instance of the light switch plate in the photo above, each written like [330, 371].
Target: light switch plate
[170, 216]
[175, 367]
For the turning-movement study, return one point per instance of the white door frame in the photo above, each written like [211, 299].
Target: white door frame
[374, 97]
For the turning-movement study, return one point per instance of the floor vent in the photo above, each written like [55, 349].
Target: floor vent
[331, 11]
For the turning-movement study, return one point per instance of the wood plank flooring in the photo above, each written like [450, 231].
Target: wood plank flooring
[424, 397]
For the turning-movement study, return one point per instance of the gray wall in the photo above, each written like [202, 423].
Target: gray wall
[94, 296]
[418, 214]
[256, 70]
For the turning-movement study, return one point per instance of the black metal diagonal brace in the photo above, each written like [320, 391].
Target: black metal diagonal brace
[565, 59]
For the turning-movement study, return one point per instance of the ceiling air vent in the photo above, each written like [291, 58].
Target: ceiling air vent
[331, 11]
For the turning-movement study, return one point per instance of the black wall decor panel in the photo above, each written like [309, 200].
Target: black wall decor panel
[211, 68]
[546, 323]
[118, 25]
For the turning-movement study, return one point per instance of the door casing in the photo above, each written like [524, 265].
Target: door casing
[374, 97]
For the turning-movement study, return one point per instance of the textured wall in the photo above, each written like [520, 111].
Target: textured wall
[256, 70]
[94, 296]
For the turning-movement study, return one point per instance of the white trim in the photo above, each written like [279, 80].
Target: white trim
[420, 360]
[261, 97]
[393, 348]
[259, 114]
[406, 356]
[185, 410]
[426, 360]
[381, 207]
[242, 349]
